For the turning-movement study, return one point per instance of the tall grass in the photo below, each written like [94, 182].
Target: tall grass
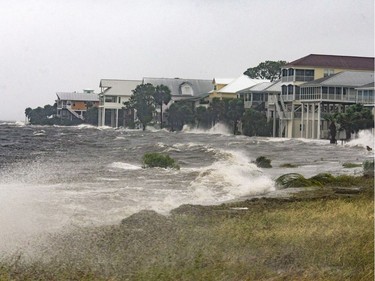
[321, 239]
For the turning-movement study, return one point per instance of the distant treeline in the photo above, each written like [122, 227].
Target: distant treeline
[47, 116]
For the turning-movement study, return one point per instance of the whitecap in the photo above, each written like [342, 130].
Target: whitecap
[365, 138]
[218, 129]
[124, 166]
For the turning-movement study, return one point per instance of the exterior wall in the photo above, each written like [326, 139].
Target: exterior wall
[223, 95]
[78, 105]
[308, 128]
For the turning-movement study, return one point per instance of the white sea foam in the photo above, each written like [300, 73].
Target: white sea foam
[230, 177]
[218, 129]
[364, 138]
[86, 126]
[124, 166]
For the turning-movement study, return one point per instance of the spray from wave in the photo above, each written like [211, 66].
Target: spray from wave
[232, 176]
[218, 129]
[365, 138]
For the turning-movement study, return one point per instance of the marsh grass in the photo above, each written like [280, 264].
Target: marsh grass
[325, 238]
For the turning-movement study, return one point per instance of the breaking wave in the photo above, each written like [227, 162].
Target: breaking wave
[218, 129]
[365, 138]
[232, 176]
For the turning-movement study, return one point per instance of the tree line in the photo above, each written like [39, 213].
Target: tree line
[47, 116]
[146, 98]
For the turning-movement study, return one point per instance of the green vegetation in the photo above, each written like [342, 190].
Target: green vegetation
[234, 113]
[263, 162]
[368, 168]
[142, 100]
[47, 116]
[349, 165]
[179, 114]
[162, 96]
[154, 159]
[328, 238]
[270, 70]
[322, 179]
[254, 123]
[288, 165]
[356, 117]
[294, 180]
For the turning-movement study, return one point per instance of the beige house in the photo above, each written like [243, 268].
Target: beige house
[112, 96]
[316, 85]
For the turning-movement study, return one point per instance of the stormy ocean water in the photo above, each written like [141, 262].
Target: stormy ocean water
[61, 178]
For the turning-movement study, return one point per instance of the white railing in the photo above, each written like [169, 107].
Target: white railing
[75, 113]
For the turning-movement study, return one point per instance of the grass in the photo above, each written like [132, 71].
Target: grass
[325, 238]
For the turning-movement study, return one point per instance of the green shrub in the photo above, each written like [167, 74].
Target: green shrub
[154, 159]
[368, 168]
[295, 180]
[263, 162]
[323, 178]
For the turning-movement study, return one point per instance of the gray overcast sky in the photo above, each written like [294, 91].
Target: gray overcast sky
[48, 46]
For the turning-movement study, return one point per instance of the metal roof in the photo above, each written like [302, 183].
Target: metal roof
[199, 86]
[345, 78]
[77, 96]
[222, 81]
[369, 86]
[267, 87]
[240, 83]
[333, 61]
[275, 87]
[116, 87]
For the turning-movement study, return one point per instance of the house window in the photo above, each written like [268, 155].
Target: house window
[110, 99]
[186, 89]
[328, 72]
[304, 75]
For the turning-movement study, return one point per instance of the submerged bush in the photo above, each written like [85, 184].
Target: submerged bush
[323, 178]
[368, 168]
[154, 159]
[263, 162]
[295, 180]
[288, 165]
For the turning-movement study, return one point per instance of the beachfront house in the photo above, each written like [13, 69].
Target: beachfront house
[71, 105]
[230, 90]
[112, 96]
[316, 85]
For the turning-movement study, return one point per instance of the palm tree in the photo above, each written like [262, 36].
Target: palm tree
[162, 96]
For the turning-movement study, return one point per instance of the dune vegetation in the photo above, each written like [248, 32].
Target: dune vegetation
[323, 233]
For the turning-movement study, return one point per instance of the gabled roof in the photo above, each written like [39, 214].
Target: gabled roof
[240, 83]
[119, 87]
[332, 61]
[268, 87]
[345, 78]
[77, 96]
[275, 87]
[257, 87]
[222, 81]
[199, 86]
